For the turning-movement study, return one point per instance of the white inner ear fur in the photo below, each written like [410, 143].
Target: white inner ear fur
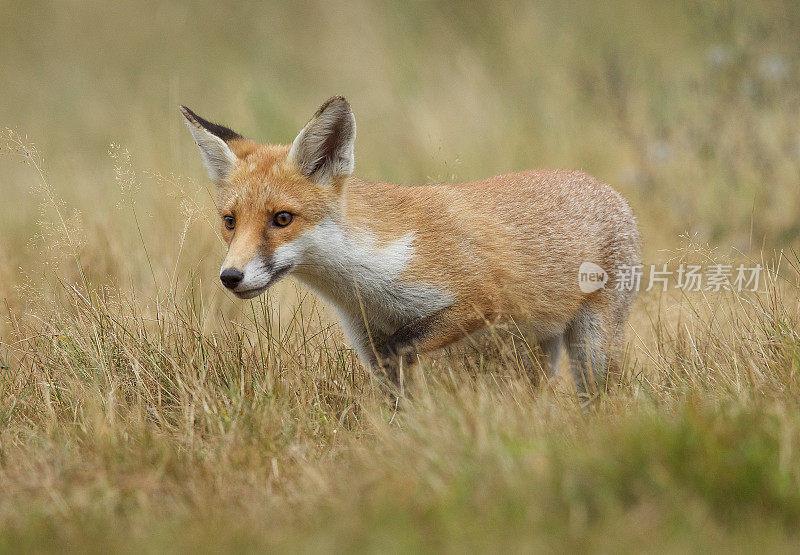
[218, 158]
[324, 149]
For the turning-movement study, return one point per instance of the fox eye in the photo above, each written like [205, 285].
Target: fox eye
[230, 222]
[282, 219]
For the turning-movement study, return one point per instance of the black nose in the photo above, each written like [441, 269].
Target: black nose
[231, 277]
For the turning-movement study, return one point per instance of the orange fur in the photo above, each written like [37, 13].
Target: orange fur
[506, 247]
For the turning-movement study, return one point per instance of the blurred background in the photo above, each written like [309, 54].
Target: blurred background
[691, 109]
[142, 408]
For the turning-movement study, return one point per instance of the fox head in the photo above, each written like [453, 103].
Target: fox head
[270, 196]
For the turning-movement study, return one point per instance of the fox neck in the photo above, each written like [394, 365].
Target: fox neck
[363, 278]
[339, 260]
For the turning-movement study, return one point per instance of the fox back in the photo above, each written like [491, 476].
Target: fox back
[416, 268]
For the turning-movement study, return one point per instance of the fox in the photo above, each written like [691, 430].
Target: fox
[413, 269]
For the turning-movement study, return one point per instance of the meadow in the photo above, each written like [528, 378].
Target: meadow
[143, 408]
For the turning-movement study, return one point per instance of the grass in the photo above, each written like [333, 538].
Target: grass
[142, 409]
[127, 432]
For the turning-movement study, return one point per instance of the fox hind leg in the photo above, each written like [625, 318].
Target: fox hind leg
[552, 347]
[542, 360]
[587, 352]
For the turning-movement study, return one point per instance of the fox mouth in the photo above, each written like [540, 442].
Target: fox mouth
[256, 291]
[250, 293]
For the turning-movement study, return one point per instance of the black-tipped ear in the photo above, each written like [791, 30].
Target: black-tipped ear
[220, 131]
[324, 149]
[212, 140]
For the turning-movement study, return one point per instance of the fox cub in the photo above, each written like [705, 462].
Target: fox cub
[416, 268]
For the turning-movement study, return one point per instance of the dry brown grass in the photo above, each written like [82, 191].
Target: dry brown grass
[141, 408]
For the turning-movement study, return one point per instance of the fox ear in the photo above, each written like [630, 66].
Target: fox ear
[323, 151]
[212, 140]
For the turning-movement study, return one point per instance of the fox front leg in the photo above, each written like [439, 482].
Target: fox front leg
[423, 335]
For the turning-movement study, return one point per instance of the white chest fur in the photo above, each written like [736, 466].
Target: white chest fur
[362, 279]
